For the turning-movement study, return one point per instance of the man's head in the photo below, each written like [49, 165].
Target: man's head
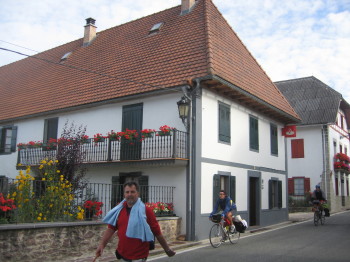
[318, 188]
[131, 193]
[222, 194]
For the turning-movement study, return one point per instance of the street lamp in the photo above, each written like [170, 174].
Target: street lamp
[184, 109]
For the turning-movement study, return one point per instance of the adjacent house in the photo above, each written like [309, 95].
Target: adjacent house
[136, 76]
[318, 154]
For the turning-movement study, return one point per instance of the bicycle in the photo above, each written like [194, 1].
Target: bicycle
[220, 232]
[319, 215]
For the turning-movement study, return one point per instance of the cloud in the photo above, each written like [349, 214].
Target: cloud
[289, 39]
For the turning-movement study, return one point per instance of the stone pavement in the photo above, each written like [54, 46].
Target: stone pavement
[178, 245]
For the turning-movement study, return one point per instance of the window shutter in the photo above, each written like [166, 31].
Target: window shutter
[336, 186]
[280, 194]
[224, 123]
[216, 188]
[253, 133]
[233, 188]
[307, 183]
[50, 129]
[270, 193]
[143, 183]
[14, 139]
[274, 140]
[117, 194]
[297, 146]
[290, 186]
[1, 145]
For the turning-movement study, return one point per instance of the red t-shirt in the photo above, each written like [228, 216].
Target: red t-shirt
[134, 248]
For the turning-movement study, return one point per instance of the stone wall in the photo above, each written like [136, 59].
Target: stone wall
[62, 241]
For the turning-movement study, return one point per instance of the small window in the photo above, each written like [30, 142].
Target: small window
[274, 139]
[156, 28]
[224, 123]
[297, 148]
[299, 186]
[275, 193]
[8, 139]
[224, 182]
[65, 56]
[253, 133]
[50, 129]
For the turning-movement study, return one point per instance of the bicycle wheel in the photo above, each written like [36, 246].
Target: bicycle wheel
[322, 218]
[234, 237]
[216, 235]
[316, 217]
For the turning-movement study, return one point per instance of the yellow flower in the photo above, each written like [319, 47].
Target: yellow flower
[43, 161]
[41, 167]
[43, 179]
[39, 218]
[45, 218]
[56, 161]
[19, 164]
[58, 171]
[40, 214]
[14, 194]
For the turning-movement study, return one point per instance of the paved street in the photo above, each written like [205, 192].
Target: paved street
[291, 242]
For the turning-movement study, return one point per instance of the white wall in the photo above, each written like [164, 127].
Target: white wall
[311, 164]
[157, 111]
[237, 152]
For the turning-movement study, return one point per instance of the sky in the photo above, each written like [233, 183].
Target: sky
[289, 39]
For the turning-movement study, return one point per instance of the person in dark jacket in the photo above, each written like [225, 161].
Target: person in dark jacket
[225, 205]
[319, 198]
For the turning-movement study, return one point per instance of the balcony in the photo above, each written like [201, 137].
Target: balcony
[157, 149]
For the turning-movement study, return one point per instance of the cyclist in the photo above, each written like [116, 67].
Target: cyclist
[319, 197]
[225, 205]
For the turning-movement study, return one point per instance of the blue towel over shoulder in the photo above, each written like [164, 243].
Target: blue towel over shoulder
[137, 226]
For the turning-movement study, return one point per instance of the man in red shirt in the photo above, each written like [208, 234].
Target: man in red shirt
[132, 249]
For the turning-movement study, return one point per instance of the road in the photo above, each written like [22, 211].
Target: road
[294, 242]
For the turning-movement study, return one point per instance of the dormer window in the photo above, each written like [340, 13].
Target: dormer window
[65, 56]
[156, 28]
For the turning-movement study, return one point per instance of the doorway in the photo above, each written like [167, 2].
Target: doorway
[254, 199]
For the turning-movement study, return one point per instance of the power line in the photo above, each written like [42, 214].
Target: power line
[87, 70]
[19, 46]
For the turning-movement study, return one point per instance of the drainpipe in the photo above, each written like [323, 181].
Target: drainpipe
[191, 168]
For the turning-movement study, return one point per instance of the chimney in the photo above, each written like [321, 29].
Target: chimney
[186, 6]
[90, 31]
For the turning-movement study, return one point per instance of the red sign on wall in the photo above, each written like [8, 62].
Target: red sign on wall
[289, 131]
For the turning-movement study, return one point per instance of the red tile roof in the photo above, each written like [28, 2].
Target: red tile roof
[126, 60]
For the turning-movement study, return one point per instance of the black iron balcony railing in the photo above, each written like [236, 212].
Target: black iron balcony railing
[171, 146]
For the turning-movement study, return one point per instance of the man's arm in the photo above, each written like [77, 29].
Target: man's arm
[107, 235]
[165, 246]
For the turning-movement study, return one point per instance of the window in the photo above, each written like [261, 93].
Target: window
[8, 139]
[340, 148]
[297, 148]
[224, 123]
[253, 133]
[299, 187]
[224, 181]
[336, 186]
[273, 138]
[50, 129]
[342, 122]
[275, 193]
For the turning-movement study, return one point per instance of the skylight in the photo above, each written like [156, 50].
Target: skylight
[65, 56]
[156, 28]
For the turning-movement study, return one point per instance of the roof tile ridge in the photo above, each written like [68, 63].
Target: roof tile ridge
[140, 18]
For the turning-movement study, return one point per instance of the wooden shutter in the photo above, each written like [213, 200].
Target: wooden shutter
[280, 194]
[50, 129]
[224, 123]
[336, 186]
[14, 139]
[216, 188]
[117, 191]
[297, 148]
[233, 188]
[290, 186]
[273, 138]
[253, 133]
[143, 182]
[270, 194]
[307, 187]
[132, 117]
[2, 146]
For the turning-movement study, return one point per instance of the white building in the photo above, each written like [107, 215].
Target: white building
[132, 76]
[322, 133]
